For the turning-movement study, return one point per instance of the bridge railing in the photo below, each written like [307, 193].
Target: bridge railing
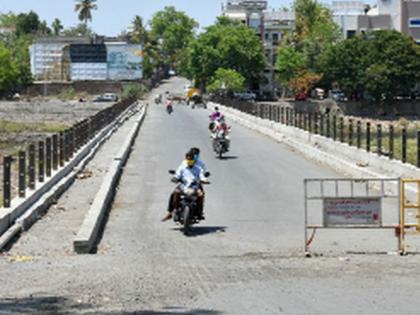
[34, 165]
[394, 140]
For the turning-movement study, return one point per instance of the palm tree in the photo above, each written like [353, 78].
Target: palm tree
[139, 33]
[84, 9]
[57, 27]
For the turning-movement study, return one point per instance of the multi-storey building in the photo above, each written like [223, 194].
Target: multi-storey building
[270, 26]
[356, 17]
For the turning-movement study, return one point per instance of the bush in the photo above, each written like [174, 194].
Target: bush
[133, 90]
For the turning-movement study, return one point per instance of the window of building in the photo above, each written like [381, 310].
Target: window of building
[414, 22]
[351, 33]
[275, 37]
[266, 36]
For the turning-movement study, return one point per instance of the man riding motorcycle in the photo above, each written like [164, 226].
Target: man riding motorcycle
[186, 174]
[220, 127]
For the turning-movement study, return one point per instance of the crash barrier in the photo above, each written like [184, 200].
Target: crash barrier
[395, 142]
[344, 203]
[37, 163]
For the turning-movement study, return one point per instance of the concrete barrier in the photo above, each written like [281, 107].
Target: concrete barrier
[25, 211]
[89, 232]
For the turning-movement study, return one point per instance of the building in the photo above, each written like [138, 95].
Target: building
[269, 25]
[64, 59]
[356, 17]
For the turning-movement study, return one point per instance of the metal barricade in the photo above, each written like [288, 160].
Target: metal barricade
[352, 203]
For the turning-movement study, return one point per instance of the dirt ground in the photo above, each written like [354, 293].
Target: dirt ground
[24, 122]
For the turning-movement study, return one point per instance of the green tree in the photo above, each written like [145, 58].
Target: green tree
[57, 27]
[289, 64]
[139, 33]
[27, 23]
[79, 30]
[84, 10]
[174, 31]
[8, 72]
[384, 64]
[226, 80]
[345, 64]
[394, 61]
[228, 45]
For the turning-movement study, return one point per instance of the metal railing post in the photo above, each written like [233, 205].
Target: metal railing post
[22, 174]
[391, 142]
[404, 145]
[359, 134]
[41, 161]
[7, 183]
[379, 139]
[368, 136]
[48, 161]
[32, 167]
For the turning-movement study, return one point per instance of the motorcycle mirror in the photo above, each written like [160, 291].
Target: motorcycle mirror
[172, 172]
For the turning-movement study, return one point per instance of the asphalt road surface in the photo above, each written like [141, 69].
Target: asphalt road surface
[245, 258]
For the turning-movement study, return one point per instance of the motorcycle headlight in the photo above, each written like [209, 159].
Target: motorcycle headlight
[189, 191]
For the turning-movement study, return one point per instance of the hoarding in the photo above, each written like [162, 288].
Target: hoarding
[125, 61]
[352, 211]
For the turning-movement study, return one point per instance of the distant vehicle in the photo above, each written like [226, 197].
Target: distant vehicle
[318, 93]
[246, 96]
[172, 73]
[107, 97]
[300, 96]
[338, 96]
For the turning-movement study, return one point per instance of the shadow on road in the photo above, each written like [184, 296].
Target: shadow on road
[49, 305]
[169, 311]
[229, 157]
[41, 305]
[203, 230]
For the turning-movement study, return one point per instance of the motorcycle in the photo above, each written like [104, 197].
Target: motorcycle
[221, 142]
[169, 109]
[158, 99]
[188, 212]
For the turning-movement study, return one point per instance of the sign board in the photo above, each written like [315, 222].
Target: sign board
[125, 61]
[364, 211]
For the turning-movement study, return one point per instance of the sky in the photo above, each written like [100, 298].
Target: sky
[114, 16]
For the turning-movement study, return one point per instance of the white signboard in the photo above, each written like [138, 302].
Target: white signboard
[352, 211]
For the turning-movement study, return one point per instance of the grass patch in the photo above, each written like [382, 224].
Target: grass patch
[67, 94]
[40, 127]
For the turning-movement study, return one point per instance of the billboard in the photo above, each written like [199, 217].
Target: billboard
[125, 61]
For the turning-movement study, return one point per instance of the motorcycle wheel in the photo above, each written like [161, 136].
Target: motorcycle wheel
[187, 220]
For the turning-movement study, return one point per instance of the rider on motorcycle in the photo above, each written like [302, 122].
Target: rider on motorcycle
[219, 127]
[184, 175]
[214, 117]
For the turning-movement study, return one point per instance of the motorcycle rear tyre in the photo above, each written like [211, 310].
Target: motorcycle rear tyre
[187, 220]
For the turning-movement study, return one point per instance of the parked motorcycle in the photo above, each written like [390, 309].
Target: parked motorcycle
[188, 212]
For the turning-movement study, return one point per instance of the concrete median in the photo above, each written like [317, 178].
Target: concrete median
[89, 233]
[25, 211]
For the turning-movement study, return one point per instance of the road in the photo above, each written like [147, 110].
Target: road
[245, 258]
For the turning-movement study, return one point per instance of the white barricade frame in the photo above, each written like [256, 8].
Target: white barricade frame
[350, 203]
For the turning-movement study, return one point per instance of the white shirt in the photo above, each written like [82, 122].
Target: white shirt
[188, 175]
[199, 163]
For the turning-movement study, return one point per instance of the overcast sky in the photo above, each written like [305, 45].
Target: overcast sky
[113, 16]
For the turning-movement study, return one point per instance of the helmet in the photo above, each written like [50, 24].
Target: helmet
[196, 152]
